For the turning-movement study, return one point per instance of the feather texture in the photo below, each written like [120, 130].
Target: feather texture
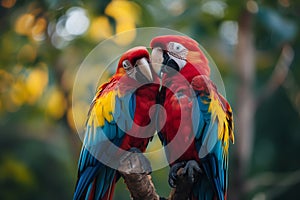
[117, 109]
[199, 123]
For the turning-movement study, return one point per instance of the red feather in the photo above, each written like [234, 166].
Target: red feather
[132, 55]
[195, 58]
[177, 132]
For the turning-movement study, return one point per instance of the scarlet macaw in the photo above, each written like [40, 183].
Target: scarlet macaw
[109, 121]
[199, 122]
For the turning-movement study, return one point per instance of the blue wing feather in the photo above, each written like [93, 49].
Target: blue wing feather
[210, 146]
[210, 153]
[94, 176]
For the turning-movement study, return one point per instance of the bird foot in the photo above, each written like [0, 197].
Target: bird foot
[189, 169]
[134, 162]
[173, 176]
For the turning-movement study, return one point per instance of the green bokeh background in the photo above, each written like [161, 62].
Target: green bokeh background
[41, 51]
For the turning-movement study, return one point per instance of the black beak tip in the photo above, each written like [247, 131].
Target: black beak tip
[169, 64]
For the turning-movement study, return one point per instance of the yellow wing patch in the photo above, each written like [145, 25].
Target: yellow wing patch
[225, 123]
[102, 109]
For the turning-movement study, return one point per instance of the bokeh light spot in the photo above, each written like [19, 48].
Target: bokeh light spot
[215, 8]
[100, 28]
[252, 6]
[24, 24]
[229, 32]
[56, 104]
[127, 37]
[39, 28]
[176, 7]
[284, 3]
[77, 22]
[36, 83]
[8, 3]
[126, 15]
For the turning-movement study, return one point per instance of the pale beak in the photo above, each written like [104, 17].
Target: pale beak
[157, 60]
[144, 67]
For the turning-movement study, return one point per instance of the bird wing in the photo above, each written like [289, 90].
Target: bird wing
[213, 134]
[95, 179]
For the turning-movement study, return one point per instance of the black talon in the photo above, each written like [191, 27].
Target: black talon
[173, 173]
[135, 150]
[192, 170]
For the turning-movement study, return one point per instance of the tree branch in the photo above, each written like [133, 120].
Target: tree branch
[136, 177]
[140, 184]
[279, 74]
[245, 103]
[279, 183]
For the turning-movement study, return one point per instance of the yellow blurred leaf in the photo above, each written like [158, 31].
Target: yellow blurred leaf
[6, 79]
[127, 37]
[100, 28]
[1, 106]
[27, 53]
[56, 103]
[123, 10]
[126, 14]
[77, 115]
[24, 24]
[39, 28]
[12, 169]
[36, 83]
[18, 93]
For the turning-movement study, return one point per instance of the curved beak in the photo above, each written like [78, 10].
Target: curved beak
[162, 62]
[144, 69]
[170, 66]
[157, 60]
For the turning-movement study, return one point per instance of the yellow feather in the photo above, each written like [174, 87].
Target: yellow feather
[98, 109]
[224, 132]
[103, 109]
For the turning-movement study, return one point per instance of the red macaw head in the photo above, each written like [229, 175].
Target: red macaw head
[179, 53]
[135, 62]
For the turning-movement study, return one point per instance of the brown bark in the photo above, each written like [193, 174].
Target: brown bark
[134, 170]
[140, 185]
[245, 110]
[279, 74]
[247, 101]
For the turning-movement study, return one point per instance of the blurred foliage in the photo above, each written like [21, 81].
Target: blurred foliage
[43, 43]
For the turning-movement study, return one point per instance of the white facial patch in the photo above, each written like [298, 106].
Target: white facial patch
[130, 70]
[178, 53]
[181, 63]
[178, 50]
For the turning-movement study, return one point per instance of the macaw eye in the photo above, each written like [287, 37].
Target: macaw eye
[177, 47]
[126, 64]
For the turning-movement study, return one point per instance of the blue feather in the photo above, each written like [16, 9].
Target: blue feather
[210, 165]
[202, 189]
[97, 145]
[214, 181]
[85, 179]
[133, 106]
